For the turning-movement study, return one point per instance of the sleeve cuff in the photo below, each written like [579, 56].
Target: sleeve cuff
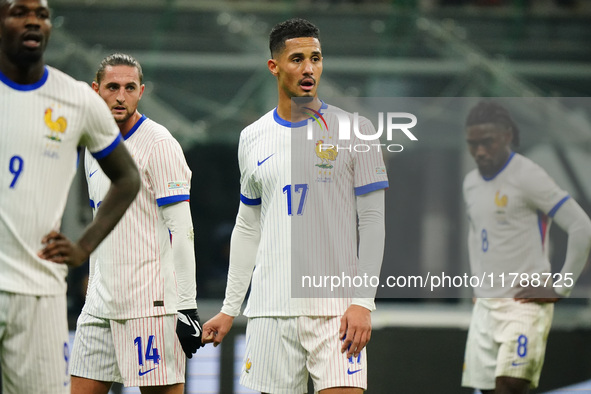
[105, 152]
[557, 206]
[186, 305]
[172, 199]
[371, 187]
[250, 201]
[367, 303]
[230, 311]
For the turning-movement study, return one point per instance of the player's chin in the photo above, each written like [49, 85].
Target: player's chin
[30, 55]
[485, 168]
[305, 96]
[121, 118]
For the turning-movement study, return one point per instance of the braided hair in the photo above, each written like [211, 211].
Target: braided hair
[491, 112]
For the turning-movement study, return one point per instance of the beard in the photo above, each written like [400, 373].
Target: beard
[26, 58]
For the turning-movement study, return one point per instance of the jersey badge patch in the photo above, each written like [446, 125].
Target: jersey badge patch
[178, 185]
[501, 210]
[57, 127]
[501, 202]
[326, 154]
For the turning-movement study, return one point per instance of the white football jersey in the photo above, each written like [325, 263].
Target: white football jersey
[308, 210]
[510, 216]
[132, 271]
[42, 126]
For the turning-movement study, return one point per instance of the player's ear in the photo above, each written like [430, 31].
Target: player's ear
[95, 86]
[142, 87]
[272, 66]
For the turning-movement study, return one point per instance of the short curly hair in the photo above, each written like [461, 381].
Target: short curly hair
[291, 28]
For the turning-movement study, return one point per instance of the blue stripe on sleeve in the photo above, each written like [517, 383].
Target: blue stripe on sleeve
[105, 152]
[91, 203]
[361, 190]
[172, 199]
[250, 201]
[557, 206]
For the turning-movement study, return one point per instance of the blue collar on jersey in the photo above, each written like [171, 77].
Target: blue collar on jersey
[301, 123]
[135, 127]
[501, 170]
[25, 88]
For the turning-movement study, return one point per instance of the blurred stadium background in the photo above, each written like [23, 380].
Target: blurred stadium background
[206, 79]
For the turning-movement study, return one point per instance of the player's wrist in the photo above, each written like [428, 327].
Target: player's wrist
[186, 305]
[192, 312]
[232, 312]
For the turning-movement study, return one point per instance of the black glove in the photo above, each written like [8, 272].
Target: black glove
[188, 329]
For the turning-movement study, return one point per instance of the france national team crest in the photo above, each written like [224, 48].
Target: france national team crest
[57, 127]
[327, 155]
[501, 202]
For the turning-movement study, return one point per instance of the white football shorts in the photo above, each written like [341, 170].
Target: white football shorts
[136, 352]
[506, 338]
[281, 351]
[34, 348]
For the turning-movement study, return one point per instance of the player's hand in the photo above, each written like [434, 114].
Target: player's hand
[355, 330]
[540, 295]
[188, 329]
[216, 328]
[59, 249]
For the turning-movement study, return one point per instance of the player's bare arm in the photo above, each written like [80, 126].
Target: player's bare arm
[125, 183]
[355, 330]
[216, 328]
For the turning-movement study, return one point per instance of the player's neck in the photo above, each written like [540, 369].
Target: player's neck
[299, 113]
[502, 164]
[126, 126]
[26, 74]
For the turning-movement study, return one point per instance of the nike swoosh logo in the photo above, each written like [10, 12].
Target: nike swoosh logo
[352, 372]
[92, 173]
[140, 373]
[197, 329]
[259, 163]
[518, 364]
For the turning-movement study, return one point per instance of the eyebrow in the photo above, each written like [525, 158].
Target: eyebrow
[121, 84]
[302, 54]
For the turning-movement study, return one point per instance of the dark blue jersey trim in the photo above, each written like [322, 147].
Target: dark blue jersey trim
[501, 170]
[557, 206]
[172, 199]
[361, 190]
[25, 88]
[301, 123]
[250, 201]
[135, 127]
[105, 152]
